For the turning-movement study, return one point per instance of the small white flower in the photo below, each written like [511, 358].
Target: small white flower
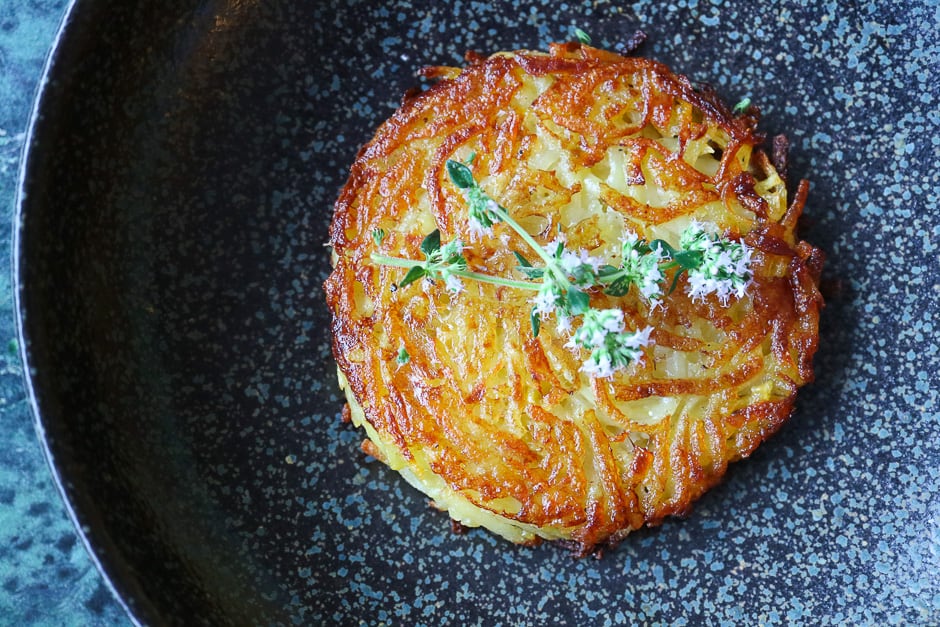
[723, 264]
[651, 290]
[596, 325]
[612, 323]
[477, 230]
[699, 286]
[639, 339]
[450, 250]
[658, 254]
[590, 260]
[650, 285]
[453, 284]
[655, 304]
[569, 261]
[598, 366]
[552, 247]
[563, 324]
[696, 236]
[594, 338]
[618, 350]
[581, 266]
[741, 266]
[481, 211]
[546, 300]
[723, 292]
[642, 268]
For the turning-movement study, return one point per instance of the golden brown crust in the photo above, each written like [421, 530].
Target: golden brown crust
[499, 414]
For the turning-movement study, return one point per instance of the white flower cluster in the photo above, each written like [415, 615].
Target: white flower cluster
[565, 272]
[602, 332]
[547, 298]
[582, 266]
[443, 262]
[725, 268]
[482, 214]
[640, 265]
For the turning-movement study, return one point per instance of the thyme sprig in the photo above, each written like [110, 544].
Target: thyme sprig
[557, 281]
[714, 264]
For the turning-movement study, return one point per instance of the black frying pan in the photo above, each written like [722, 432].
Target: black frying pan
[180, 177]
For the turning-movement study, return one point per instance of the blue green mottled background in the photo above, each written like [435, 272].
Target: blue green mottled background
[46, 576]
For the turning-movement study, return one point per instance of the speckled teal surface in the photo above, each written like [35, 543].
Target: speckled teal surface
[834, 521]
[46, 575]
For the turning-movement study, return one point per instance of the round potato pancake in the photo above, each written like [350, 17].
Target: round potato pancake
[505, 428]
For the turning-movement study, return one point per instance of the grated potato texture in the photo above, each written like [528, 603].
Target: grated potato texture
[503, 429]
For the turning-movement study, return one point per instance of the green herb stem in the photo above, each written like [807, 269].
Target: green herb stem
[495, 280]
[462, 177]
[398, 262]
[550, 263]
[528, 239]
